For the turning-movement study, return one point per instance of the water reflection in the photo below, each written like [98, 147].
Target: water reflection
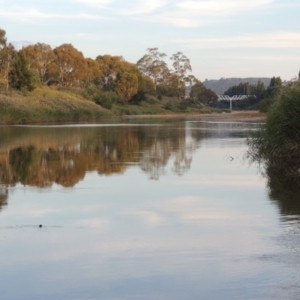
[284, 185]
[207, 233]
[37, 156]
[3, 195]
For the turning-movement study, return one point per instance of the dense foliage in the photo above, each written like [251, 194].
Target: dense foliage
[279, 137]
[106, 80]
[276, 147]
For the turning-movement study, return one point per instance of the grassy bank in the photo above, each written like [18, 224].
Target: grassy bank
[46, 105]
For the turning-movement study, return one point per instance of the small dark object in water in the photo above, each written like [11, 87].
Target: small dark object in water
[40, 225]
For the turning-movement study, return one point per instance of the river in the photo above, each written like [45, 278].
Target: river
[142, 209]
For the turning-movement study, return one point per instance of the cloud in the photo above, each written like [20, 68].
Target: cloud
[268, 40]
[95, 2]
[143, 7]
[176, 13]
[32, 15]
[221, 6]
[199, 13]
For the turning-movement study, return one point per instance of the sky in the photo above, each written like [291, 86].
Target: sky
[222, 38]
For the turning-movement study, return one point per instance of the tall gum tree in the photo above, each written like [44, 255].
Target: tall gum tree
[126, 84]
[70, 63]
[40, 57]
[109, 67]
[92, 71]
[7, 52]
[182, 66]
[153, 65]
[2, 38]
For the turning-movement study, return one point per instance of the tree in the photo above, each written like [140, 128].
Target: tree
[40, 57]
[126, 85]
[2, 38]
[20, 76]
[70, 63]
[6, 56]
[153, 65]
[109, 67]
[200, 93]
[182, 66]
[274, 88]
[92, 71]
[260, 89]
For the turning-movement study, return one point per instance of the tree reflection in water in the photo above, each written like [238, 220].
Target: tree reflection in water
[45, 156]
[3, 195]
[284, 184]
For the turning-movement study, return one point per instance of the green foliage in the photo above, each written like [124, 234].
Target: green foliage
[246, 88]
[153, 65]
[220, 86]
[103, 98]
[167, 90]
[2, 38]
[20, 76]
[203, 95]
[279, 138]
[274, 88]
[265, 104]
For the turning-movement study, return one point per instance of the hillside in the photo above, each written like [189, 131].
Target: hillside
[219, 86]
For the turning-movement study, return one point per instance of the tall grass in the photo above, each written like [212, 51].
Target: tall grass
[47, 105]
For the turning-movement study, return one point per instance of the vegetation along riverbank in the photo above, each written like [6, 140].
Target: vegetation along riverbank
[41, 84]
[276, 146]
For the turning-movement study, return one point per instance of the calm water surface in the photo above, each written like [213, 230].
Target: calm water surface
[142, 210]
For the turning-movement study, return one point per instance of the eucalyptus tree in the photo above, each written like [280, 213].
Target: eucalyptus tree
[92, 72]
[40, 57]
[153, 65]
[126, 85]
[109, 67]
[70, 64]
[7, 52]
[2, 38]
[182, 66]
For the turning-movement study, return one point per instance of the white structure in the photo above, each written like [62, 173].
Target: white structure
[233, 98]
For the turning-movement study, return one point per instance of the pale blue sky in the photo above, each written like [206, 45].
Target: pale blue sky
[222, 38]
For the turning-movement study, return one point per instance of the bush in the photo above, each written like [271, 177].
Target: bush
[279, 138]
[265, 104]
[106, 99]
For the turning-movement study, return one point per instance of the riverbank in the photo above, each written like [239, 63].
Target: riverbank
[45, 105]
[19, 109]
[234, 116]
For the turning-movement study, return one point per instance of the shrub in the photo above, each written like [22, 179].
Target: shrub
[279, 138]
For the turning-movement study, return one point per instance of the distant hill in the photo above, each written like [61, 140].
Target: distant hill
[219, 86]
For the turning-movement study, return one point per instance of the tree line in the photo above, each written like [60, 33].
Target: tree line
[260, 97]
[105, 77]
